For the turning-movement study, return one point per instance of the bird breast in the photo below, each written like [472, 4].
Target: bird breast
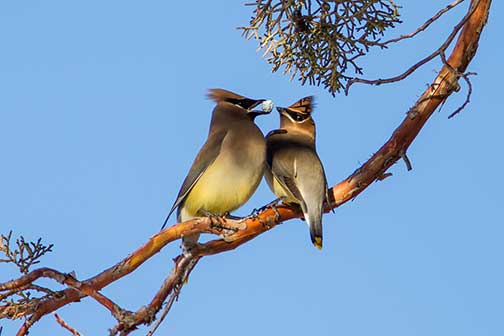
[234, 175]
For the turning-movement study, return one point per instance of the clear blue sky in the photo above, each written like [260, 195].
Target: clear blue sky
[102, 110]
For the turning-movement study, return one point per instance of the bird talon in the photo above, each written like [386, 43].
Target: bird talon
[222, 225]
[277, 213]
[223, 176]
[294, 170]
[260, 220]
[217, 222]
[229, 216]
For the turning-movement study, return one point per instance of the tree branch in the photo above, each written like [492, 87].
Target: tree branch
[65, 325]
[439, 52]
[426, 24]
[374, 169]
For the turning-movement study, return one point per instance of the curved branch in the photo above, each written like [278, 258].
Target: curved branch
[374, 169]
[439, 52]
[426, 24]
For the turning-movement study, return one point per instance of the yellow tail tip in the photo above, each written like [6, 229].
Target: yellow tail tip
[318, 243]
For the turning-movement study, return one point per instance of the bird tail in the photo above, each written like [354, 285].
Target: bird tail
[315, 224]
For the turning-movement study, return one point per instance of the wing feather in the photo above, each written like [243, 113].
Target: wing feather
[206, 156]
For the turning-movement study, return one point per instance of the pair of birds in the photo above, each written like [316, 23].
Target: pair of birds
[236, 155]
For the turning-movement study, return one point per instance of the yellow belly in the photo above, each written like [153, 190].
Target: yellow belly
[221, 190]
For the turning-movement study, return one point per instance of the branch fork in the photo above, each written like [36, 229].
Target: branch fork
[374, 169]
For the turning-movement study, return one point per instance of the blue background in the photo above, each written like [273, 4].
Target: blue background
[103, 108]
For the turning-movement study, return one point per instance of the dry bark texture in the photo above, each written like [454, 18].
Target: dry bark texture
[239, 233]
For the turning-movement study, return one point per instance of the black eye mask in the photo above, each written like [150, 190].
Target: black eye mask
[246, 103]
[297, 116]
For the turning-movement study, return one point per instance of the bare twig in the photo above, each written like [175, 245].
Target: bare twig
[406, 160]
[375, 168]
[173, 296]
[66, 325]
[468, 96]
[439, 52]
[320, 42]
[426, 24]
[25, 255]
[66, 279]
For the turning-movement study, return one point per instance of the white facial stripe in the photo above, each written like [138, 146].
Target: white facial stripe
[286, 114]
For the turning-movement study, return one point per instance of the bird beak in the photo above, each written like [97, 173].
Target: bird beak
[282, 110]
[266, 106]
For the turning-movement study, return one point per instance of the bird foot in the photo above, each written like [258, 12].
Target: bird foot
[228, 230]
[271, 205]
[226, 224]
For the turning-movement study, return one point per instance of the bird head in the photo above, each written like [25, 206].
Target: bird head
[297, 117]
[246, 104]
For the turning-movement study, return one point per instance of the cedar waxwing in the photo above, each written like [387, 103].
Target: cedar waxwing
[294, 171]
[229, 166]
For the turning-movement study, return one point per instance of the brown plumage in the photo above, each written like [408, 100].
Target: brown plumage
[294, 171]
[229, 166]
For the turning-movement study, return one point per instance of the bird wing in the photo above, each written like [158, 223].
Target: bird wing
[327, 198]
[282, 164]
[206, 156]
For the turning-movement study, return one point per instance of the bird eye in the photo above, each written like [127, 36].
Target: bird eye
[298, 117]
[246, 103]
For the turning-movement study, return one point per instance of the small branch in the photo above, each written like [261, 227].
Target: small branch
[25, 255]
[426, 24]
[174, 296]
[383, 176]
[442, 86]
[468, 96]
[172, 284]
[66, 325]
[65, 279]
[439, 52]
[406, 160]
[462, 54]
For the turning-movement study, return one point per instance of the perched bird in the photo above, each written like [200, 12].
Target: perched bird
[229, 166]
[294, 171]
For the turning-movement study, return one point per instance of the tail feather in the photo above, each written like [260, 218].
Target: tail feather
[314, 222]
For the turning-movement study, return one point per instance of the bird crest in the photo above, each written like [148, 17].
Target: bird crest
[220, 95]
[303, 106]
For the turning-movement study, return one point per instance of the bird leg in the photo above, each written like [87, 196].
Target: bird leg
[236, 224]
[229, 216]
[255, 213]
[275, 210]
[216, 219]
[221, 224]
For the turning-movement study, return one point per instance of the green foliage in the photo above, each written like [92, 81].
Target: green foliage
[320, 41]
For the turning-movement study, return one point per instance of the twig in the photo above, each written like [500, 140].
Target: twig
[174, 296]
[414, 67]
[66, 279]
[171, 284]
[385, 157]
[66, 325]
[426, 24]
[468, 96]
[406, 160]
